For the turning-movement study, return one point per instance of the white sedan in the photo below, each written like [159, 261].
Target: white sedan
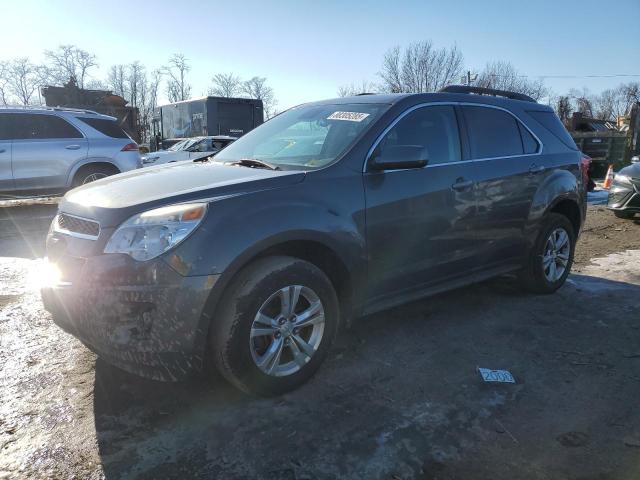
[188, 149]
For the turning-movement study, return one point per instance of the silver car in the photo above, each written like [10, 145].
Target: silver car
[54, 149]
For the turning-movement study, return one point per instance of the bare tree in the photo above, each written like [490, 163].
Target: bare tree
[23, 80]
[563, 108]
[137, 84]
[582, 101]
[67, 62]
[226, 85]
[420, 67]
[256, 87]
[391, 72]
[355, 89]
[504, 76]
[177, 87]
[631, 95]
[117, 80]
[4, 83]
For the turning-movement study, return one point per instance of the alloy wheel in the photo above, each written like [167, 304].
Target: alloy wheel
[555, 258]
[287, 330]
[93, 177]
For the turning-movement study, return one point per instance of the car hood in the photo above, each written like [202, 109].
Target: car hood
[632, 170]
[126, 194]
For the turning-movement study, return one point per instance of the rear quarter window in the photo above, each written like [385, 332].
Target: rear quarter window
[107, 127]
[552, 123]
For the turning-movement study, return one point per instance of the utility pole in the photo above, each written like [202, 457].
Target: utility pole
[469, 77]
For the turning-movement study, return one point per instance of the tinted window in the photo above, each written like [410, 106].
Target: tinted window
[106, 127]
[529, 143]
[32, 126]
[433, 128]
[551, 122]
[492, 133]
[4, 127]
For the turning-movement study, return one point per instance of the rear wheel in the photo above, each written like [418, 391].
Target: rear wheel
[275, 325]
[551, 258]
[624, 215]
[91, 173]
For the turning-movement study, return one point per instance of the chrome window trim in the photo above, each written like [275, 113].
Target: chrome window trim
[84, 236]
[472, 104]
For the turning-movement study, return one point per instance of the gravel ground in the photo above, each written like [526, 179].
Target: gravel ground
[399, 397]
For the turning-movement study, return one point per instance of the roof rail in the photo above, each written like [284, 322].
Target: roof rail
[364, 93]
[46, 107]
[487, 91]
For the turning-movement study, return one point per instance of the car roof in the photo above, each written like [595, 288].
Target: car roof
[417, 98]
[76, 112]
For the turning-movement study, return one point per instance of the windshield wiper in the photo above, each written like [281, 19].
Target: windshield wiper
[254, 163]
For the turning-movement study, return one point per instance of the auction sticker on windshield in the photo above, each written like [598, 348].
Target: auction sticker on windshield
[348, 116]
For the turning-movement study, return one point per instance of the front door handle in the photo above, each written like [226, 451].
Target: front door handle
[462, 184]
[2, 150]
[533, 168]
[72, 147]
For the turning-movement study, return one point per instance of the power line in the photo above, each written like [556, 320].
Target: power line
[613, 75]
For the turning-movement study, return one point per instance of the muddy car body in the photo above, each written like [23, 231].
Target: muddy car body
[383, 221]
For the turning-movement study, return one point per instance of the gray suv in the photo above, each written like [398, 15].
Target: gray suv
[251, 261]
[54, 149]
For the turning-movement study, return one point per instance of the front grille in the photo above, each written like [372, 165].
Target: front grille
[71, 224]
[634, 202]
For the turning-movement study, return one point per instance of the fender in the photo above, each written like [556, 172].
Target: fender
[558, 186]
[86, 161]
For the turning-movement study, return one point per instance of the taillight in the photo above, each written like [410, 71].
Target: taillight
[585, 163]
[130, 147]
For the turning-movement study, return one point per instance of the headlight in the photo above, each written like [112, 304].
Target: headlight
[149, 234]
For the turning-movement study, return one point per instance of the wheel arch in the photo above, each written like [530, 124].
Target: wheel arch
[89, 162]
[313, 250]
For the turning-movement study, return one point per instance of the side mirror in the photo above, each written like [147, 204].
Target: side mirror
[398, 157]
[635, 159]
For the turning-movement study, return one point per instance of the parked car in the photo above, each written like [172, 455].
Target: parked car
[55, 149]
[251, 261]
[188, 149]
[624, 194]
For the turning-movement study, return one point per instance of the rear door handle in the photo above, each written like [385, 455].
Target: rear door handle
[533, 168]
[72, 147]
[462, 184]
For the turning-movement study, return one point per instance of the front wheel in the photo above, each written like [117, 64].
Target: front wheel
[274, 328]
[550, 260]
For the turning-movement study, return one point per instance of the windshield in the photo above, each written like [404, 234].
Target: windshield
[182, 145]
[304, 137]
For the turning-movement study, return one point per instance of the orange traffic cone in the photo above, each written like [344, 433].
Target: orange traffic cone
[608, 179]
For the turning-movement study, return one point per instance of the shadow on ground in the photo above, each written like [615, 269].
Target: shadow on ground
[400, 397]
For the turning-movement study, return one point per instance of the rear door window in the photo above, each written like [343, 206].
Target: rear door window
[33, 126]
[434, 128]
[492, 132]
[107, 127]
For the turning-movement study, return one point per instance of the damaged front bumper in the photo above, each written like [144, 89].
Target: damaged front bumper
[143, 317]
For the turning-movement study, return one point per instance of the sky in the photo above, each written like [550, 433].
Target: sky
[308, 49]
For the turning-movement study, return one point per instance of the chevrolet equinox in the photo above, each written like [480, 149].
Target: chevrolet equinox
[249, 261]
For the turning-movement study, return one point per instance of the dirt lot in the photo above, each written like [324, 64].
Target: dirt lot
[400, 396]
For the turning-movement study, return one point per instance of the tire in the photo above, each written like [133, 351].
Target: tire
[260, 288]
[535, 277]
[624, 215]
[90, 173]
